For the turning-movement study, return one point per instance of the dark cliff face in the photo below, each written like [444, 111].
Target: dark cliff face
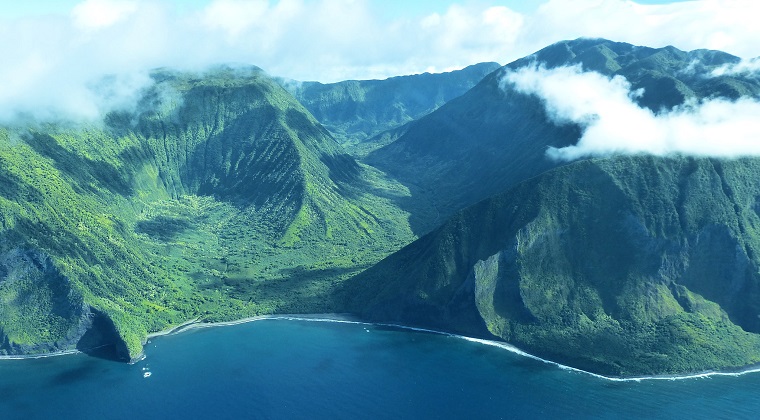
[624, 266]
[101, 339]
[43, 312]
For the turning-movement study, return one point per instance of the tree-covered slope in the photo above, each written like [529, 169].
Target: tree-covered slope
[493, 137]
[356, 111]
[221, 198]
[623, 266]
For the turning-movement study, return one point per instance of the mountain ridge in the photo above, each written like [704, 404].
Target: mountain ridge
[649, 280]
[355, 111]
[493, 137]
[222, 198]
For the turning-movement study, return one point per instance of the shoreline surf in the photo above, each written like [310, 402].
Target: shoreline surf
[349, 319]
[38, 356]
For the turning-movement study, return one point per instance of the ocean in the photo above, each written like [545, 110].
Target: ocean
[306, 369]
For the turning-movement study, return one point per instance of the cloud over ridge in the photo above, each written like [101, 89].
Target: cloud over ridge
[613, 123]
[749, 67]
[51, 62]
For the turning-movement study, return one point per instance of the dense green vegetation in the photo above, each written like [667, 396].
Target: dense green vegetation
[493, 137]
[357, 112]
[624, 266]
[222, 198]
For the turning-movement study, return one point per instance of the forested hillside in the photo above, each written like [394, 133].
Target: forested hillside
[494, 136]
[221, 198]
[357, 111]
[623, 266]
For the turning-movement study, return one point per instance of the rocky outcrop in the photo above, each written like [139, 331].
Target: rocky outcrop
[42, 311]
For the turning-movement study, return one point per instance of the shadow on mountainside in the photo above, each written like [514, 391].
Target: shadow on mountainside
[83, 171]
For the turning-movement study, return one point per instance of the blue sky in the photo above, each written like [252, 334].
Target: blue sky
[390, 8]
[54, 50]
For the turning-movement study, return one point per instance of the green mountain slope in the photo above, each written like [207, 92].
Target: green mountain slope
[222, 198]
[623, 266]
[355, 111]
[491, 138]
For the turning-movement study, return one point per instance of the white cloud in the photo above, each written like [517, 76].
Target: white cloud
[744, 67]
[94, 14]
[234, 16]
[727, 25]
[613, 123]
[49, 61]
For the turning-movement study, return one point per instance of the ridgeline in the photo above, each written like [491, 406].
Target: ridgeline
[222, 197]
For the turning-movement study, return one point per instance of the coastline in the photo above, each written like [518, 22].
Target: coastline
[195, 323]
[39, 356]
[186, 326]
[350, 319]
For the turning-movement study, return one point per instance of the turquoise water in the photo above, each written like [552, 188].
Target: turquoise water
[290, 369]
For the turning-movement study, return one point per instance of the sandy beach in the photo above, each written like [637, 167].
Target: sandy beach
[39, 356]
[195, 323]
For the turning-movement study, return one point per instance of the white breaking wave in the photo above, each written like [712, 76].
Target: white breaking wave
[498, 344]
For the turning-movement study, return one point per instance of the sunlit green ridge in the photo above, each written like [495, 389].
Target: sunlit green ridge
[221, 198]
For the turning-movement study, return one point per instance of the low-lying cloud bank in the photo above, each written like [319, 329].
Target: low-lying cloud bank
[98, 57]
[54, 65]
[749, 67]
[613, 123]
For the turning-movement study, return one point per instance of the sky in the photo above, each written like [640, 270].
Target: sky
[331, 40]
[56, 51]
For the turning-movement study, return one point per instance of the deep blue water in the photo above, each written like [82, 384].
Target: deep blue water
[287, 369]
